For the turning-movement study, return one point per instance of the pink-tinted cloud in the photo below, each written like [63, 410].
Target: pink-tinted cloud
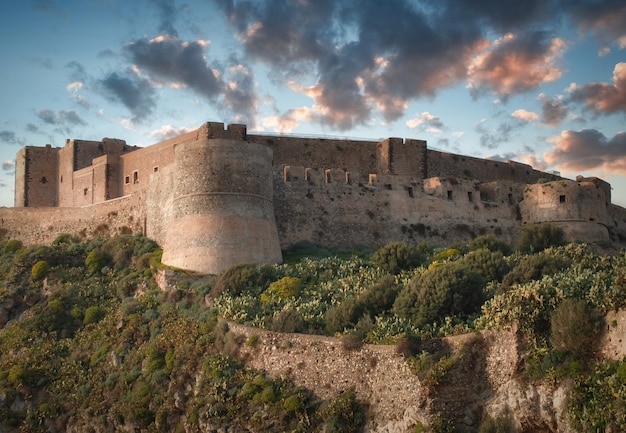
[588, 149]
[603, 98]
[426, 122]
[516, 64]
[525, 115]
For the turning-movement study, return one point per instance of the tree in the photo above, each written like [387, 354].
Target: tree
[448, 289]
[399, 256]
[537, 237]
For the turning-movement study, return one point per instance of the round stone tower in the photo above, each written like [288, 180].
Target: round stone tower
[578, 207]
[223, 212]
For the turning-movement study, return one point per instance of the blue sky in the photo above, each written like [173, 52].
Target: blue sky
[538, 81]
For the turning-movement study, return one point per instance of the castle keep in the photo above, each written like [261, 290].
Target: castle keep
[217, 196]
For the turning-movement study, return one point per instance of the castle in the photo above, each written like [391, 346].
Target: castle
[217, 196]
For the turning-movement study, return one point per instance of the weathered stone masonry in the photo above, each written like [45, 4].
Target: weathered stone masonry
[215, 197]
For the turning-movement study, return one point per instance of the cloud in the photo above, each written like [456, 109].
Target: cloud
[516, 64]
[606, 20]
[553, 111]
[60, 118]
[426, 122]
[8, 165]
[492, 138]
[524, 115]
[588, 149]
[603, 98]
[288, 121]
[177, 64]
[75, 87]
[9, 137]
[239, 94]
[364, 57]
[167, 15]
[133, 91]
[168, 131]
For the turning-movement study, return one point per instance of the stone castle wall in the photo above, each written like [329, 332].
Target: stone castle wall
[215, 197]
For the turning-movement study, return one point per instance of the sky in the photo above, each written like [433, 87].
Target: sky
[541, 82]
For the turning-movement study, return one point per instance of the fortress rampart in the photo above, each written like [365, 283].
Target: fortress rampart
[218, 196]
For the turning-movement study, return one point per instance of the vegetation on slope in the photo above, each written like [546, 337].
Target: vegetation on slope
[91, 340]
[97, 346]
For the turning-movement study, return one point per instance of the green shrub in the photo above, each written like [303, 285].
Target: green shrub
[95, 261]
[448, 289]
[534, 267]
[252, 340]
[490, 264]
[492, 243]
[235, 280]
[285, 288]
[399, 256]
[288, 321]
[598, 402]
[40, 270]
[381, 296]
[343, 316]
[573, 328]
[446, 254]
[293, 403]
[93, 314]
[537, 237]
[12, 246]
[344, 414]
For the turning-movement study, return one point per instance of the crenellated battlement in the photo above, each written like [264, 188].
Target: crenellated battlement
[212, 130]
[217, 196]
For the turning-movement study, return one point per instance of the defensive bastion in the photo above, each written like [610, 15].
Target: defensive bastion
[219, 196]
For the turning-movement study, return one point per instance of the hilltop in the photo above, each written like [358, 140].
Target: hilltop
[100, 336]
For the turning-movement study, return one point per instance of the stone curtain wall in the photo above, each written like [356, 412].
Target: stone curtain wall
[42, 225]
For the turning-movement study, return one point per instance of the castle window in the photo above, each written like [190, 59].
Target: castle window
[449, 195]
[61, 178]
[561, 199]
[155, 168]
[44, 180]
[135, 177]
[327, 176]
[127, 180]
[388, 186]
[510, 198]
[470, 196]
[85, 191]
[410, 190]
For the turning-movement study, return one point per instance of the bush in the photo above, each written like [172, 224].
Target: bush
[537, 237]
[449, 289]
[40, 270]
[343, 316]
[572, 328]
[235, 280]
[285, 288]
[490, 264]
[12, 246]
[95, 261]
[492, 243]
[93, 315]
[289, 321]
[399, 256]
[534, 267]
[344, 414]
[381, 296]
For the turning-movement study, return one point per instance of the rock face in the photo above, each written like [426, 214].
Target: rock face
[482, 382]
